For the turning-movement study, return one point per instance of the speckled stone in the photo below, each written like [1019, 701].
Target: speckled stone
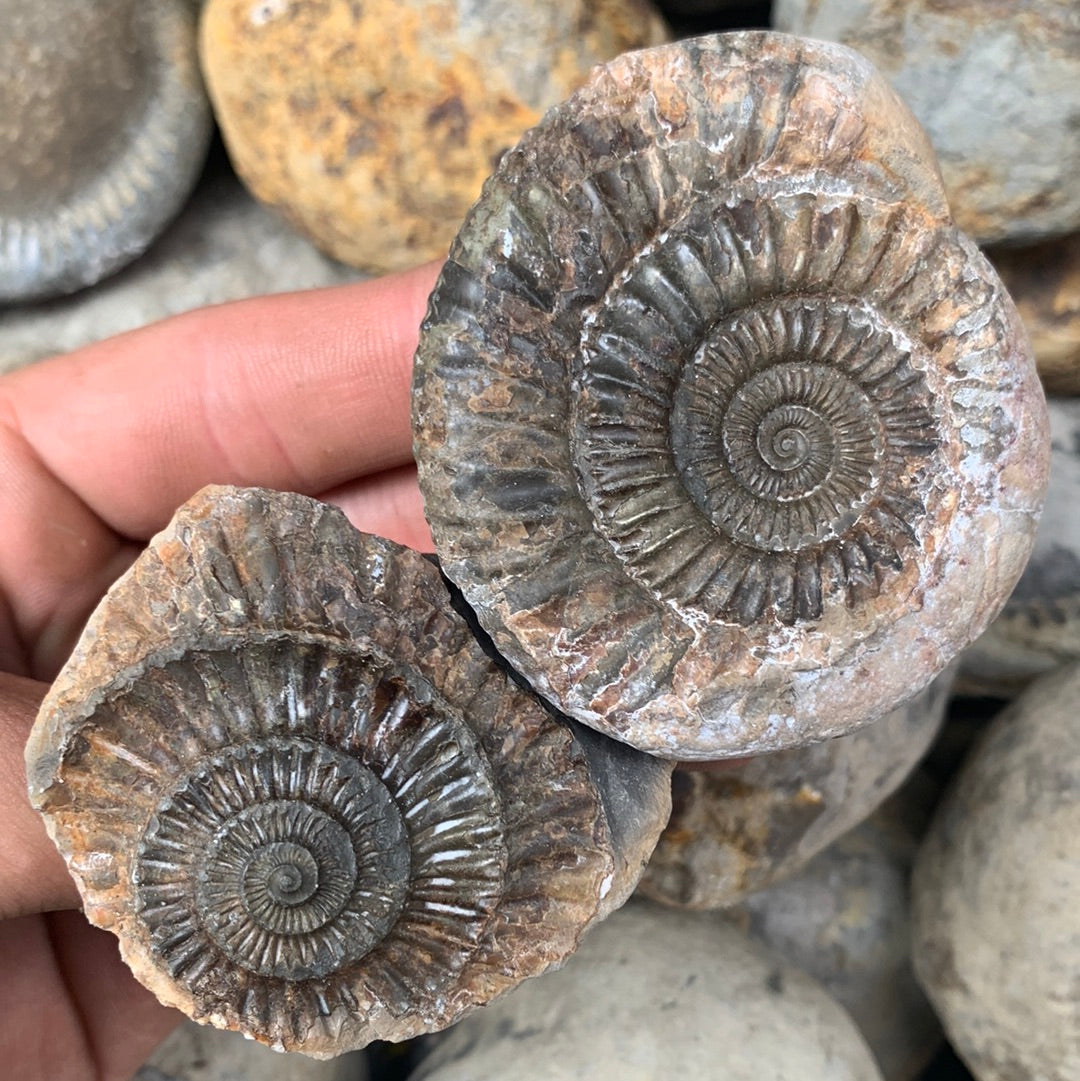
[372, 126]
[996, 84]
[845, 919]
[740, 826]
[224, 246]
[104, 126]
[1039, 628]
[995, 892]
[197, 1053]
[654, 994]
[1044, 282]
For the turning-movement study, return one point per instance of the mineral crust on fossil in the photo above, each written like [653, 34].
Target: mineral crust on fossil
[728, 435]
[284, 773]
[104, 125]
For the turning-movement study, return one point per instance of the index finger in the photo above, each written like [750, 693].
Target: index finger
[302, 392]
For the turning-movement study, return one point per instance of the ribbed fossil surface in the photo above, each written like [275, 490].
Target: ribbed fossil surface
[283, 771]
[104, 126]
[727, 434]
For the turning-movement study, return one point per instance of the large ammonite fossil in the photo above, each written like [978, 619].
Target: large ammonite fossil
[284, 772]
[726, 433]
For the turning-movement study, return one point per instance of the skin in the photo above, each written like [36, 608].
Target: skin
[305, 392]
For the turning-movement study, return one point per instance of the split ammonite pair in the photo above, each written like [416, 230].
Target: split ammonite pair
[730, 441]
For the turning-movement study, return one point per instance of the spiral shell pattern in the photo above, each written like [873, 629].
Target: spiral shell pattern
[713, 404]
[285, 773]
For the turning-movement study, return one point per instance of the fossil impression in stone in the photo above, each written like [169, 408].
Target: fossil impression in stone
[740, 826]
[285, 774]
[104, 125]
[727, 434]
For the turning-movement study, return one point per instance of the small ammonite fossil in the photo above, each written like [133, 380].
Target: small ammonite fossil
[104, 126]
[726, 433]
[283, 771]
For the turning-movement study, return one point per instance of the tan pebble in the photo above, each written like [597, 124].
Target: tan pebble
[372, 126]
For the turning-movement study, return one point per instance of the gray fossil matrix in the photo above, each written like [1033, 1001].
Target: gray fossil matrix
[729, 436]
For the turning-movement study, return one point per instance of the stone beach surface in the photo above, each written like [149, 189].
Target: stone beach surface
[653, 993]
[845, 919]
[995, 888]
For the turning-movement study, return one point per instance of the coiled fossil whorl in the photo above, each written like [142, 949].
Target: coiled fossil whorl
[283, 771]
[726, 433]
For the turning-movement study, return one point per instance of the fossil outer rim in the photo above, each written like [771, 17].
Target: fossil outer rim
[695, 181]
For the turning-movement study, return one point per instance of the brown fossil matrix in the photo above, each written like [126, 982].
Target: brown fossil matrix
[283, 771]
[1044, 281]
[372, 125]
[740, 826]
[727, 434]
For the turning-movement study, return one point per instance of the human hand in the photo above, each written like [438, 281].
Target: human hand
[306, 392]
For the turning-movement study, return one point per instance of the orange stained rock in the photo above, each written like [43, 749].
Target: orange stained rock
[372, 126]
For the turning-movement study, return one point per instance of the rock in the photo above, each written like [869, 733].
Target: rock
[996, 84]
[196, 1053]
[739, 826]
[224, 246]
[372, 126]
[995, 889]
[1044, 281]
[845, 919]
[104, 126]
[1039, 628]
[653, 994]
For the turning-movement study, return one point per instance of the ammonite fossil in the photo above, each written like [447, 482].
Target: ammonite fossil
[1038, 630]
[737, 827]
[284, 772]
[727, 434]
[104, 125]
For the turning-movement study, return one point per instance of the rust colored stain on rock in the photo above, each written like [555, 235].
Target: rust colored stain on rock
[283, 771]
[372, 126]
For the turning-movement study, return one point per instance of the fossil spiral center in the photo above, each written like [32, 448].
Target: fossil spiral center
[299, 855]
[764, 462]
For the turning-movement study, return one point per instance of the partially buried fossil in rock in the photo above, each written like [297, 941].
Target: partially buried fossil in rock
[727, 434]
[284, 773]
